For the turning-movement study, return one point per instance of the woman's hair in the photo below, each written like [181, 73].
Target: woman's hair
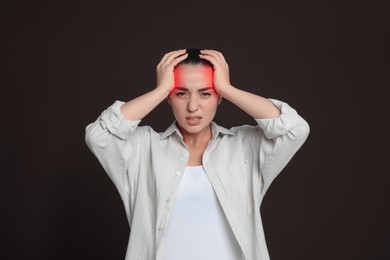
[194, 59]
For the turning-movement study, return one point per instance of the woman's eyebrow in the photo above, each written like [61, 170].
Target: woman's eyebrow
[201, 89]
[181, 88]
[204, 89]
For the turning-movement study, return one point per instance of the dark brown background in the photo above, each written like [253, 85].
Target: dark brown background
[63, 64]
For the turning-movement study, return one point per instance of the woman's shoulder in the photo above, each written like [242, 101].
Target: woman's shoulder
[235, 131]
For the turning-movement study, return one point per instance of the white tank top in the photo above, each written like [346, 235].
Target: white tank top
[198, 228]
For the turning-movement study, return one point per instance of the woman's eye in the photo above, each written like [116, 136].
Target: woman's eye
[181, 94]
[205, 94]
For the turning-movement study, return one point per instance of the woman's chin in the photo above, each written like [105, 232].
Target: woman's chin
[194, 128]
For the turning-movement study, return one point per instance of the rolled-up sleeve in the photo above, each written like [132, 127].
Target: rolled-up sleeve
[113, 120]
[281, 139]
[107, 138]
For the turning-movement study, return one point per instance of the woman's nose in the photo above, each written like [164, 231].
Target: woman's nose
[193, 104]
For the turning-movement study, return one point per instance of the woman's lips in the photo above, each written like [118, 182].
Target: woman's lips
[193, 120]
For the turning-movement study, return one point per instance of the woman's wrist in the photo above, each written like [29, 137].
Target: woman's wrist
[163, 90]
[226, 91]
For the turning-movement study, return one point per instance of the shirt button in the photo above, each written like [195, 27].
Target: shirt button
[160, 228]
[178, 173]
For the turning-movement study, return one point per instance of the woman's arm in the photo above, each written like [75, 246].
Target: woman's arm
[281, 130]
[256, 106]
[139, 107]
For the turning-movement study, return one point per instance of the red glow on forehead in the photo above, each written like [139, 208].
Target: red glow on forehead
[189, 76]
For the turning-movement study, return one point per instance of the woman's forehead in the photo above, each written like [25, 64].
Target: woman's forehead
[193, 75]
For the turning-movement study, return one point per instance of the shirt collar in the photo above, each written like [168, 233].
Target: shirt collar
[215, 128]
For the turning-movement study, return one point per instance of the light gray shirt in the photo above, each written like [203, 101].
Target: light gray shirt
[146, 168]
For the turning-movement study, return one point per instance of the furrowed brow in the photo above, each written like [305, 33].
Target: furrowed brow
[181, 88]
[199, 90]
[207, 88]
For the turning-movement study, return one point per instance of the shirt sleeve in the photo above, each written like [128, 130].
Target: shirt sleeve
[281, 138]
[108, 138]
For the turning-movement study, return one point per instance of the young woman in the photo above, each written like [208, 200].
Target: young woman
[195, 190]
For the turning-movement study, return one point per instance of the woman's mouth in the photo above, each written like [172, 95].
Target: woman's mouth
[193, 120]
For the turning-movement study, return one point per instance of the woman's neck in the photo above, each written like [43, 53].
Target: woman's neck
[198, 139]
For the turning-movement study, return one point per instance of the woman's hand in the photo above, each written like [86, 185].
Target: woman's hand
[256, 106]
[164, 71]
[221, 70]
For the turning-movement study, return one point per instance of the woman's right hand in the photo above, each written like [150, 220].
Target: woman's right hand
[165, 76]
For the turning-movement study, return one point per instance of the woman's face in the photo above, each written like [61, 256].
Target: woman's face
[194, 100]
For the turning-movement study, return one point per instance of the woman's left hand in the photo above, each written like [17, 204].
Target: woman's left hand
[221, 70]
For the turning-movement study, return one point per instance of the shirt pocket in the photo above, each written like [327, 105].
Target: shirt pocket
[240, 173]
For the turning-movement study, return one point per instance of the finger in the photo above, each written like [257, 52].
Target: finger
[177, 60]
[175, 56]
[218, 55]
[167, 55]
[171, 55]
[211, 59]
[163, 59]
